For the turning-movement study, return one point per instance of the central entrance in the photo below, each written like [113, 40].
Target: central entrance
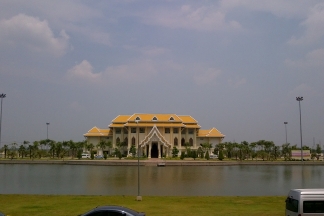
[154, 150]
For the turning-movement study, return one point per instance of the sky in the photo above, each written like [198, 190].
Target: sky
[237, 65]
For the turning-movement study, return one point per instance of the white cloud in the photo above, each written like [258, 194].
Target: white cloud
[314, 28]
[207, 77]
[32, 33]
[287, 8]
[237, 82]
[302, 90]
[137, 71]
[190, 17]
[83, 71]
[312, 59]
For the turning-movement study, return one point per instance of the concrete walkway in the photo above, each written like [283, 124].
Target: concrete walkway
[156, 162]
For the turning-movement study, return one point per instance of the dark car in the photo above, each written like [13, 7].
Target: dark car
[99, 157]
[112, 211]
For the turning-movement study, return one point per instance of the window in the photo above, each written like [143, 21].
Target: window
[191, 142]
[133, 130]
[125, 131]
[183, 131]
[191, 131]
[137, 118]
[126, 140]
[201, 138]
[118, 130]
[167, 130]
[118, 140]
[292, 204]
[133, 141]
[175, 130]
[142, 130]
[154, 119]
[175, 141]
[106, 213]
[171, 118]
[183, 142]
[313, 206]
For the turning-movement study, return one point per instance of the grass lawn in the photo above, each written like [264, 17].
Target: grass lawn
[48, 205]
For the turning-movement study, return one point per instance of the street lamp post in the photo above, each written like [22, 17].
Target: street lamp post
[286, 130]
[1, 96]
[139, 197]
[47, 123]
[301, 136]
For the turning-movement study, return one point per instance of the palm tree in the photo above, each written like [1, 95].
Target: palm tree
[52, 146]
[22, 151]
[5, 150]
[252, 149]
[90, 147]
[73, 147]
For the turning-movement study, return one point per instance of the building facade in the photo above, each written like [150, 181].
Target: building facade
[154, 135]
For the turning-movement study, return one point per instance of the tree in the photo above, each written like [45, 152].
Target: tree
[229, 149]
[207, 155]
[182, 156]
[318, 151]
[188, 149]
[5, 150]
[175, 152]
[73, 147]
[221, 155]
[206, 147]
[90, 147]
[194, 154]
[132, 150]
[286, 151]
[103, 144]
[252, 147]
[22, 151]
[200, 152]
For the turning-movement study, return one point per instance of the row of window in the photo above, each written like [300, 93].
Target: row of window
[175, 141]
[154, 118]
[166, 131]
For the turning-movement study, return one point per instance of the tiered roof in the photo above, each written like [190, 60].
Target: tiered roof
[154, 120]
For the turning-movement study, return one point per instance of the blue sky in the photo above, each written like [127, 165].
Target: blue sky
[234, 65]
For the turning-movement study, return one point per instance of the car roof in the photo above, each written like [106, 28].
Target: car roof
[121, 208]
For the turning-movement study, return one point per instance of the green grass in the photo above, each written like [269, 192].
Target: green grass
[48, 205]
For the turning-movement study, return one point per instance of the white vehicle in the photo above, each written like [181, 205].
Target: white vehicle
[85, 155]
[305, 202]
[213, 156]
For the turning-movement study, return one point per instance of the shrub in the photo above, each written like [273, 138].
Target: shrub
[207, 155]
[182, 155]
[220, 155]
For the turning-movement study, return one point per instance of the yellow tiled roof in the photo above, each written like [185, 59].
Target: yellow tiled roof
[143, 124]
[159, 117]
[121, 119]
[192, 126]
[116, 125]
[187, 119]
[95, 131]
[210, 133]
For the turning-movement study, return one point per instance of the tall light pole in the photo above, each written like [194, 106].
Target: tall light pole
[1, 96]
[47, 123]
[138, 198]
[301, 136]
[286, 130]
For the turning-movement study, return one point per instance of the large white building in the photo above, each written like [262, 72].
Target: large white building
[155, 134]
